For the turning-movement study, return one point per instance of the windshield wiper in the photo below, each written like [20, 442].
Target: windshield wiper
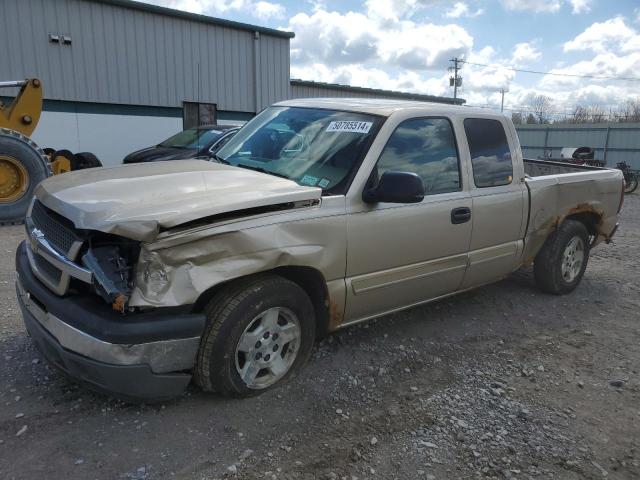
[261, 170]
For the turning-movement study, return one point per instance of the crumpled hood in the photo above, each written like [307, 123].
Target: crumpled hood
[136, 201]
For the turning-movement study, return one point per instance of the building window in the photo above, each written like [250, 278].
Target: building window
[196, 114]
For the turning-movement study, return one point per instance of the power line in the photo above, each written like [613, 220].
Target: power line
[600, 77]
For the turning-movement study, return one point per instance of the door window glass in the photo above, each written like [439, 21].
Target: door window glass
[425, 146]
[490, 154]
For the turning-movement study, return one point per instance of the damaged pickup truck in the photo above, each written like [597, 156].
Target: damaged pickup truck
[318, 214]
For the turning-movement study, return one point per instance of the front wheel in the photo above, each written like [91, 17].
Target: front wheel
[560, 264]
[630, 183]
[259, 334]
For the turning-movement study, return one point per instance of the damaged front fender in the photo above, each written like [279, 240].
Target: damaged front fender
[179, 268]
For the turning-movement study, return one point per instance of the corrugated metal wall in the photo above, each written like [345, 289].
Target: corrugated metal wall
[309, 89]
[613, 142]
[304, 91]
[129, 56]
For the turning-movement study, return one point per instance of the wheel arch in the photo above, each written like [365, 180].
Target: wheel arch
[591, 220]
[310, 279]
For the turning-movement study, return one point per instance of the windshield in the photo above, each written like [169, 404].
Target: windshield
[193, 138]
[314, 147]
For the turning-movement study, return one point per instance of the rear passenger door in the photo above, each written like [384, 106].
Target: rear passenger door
[498, 201]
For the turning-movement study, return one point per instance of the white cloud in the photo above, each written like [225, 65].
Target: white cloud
[524, 53]
[538, 6]
[424, 46]
[601, 36]
[332, 37]
[390, 11]
[580, 6]
[267, 10]
[261, 9]
[461, 9]
[607, 64]
[547, 6]
[335, 38]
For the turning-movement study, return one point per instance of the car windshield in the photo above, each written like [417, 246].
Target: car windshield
[193, 138]
[314, 147]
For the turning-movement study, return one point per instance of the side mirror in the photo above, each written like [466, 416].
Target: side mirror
[396, 187]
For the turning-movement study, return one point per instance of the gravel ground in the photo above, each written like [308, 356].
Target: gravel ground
[502, 382]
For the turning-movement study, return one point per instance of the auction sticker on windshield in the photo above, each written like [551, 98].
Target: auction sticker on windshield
[349, 126]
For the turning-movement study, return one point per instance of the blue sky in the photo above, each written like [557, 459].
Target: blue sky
[406, 44]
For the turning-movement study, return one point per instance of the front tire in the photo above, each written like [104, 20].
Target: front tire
[559, 266]
[260, 332]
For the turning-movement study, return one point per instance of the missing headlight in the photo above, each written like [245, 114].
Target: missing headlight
[111, 275]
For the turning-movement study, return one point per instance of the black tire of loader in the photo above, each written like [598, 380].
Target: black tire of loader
[27, 152]
[87, 160]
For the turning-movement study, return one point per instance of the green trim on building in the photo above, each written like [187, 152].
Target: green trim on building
[133, 110]
[105, 108]
[110, 109]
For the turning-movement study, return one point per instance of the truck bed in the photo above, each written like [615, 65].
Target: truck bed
[558, 190]
[539, 168]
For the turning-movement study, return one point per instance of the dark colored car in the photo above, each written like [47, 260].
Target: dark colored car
[202, 141]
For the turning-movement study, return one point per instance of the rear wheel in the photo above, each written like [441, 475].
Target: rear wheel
[22, 166]
[260, 333]
[560, 264]
[631, 183]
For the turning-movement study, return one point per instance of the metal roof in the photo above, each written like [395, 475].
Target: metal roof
[376, 91]
[146, 7]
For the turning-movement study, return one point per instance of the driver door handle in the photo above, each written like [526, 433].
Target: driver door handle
[460, 215]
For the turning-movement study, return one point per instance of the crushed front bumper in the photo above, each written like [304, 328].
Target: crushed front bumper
[141, 357]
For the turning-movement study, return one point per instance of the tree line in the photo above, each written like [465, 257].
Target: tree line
[539, 109]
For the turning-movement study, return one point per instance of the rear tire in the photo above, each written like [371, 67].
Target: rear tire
[260, 332]
[631, 184]
[559, 266]
[21, 150]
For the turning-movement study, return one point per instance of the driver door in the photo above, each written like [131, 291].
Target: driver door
[404, 254]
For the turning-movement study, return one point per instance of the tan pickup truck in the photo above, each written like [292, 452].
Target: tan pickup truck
[318, 214]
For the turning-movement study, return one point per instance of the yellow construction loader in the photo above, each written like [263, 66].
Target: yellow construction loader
[22, 163]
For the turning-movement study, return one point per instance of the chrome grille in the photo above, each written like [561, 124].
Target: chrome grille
[54, 227]
[52, 272]
[54, 245]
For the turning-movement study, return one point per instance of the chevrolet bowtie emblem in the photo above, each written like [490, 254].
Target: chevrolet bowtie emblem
[35, 235]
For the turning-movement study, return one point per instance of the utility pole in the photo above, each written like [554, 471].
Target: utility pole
[455, 81]
[502, 102]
